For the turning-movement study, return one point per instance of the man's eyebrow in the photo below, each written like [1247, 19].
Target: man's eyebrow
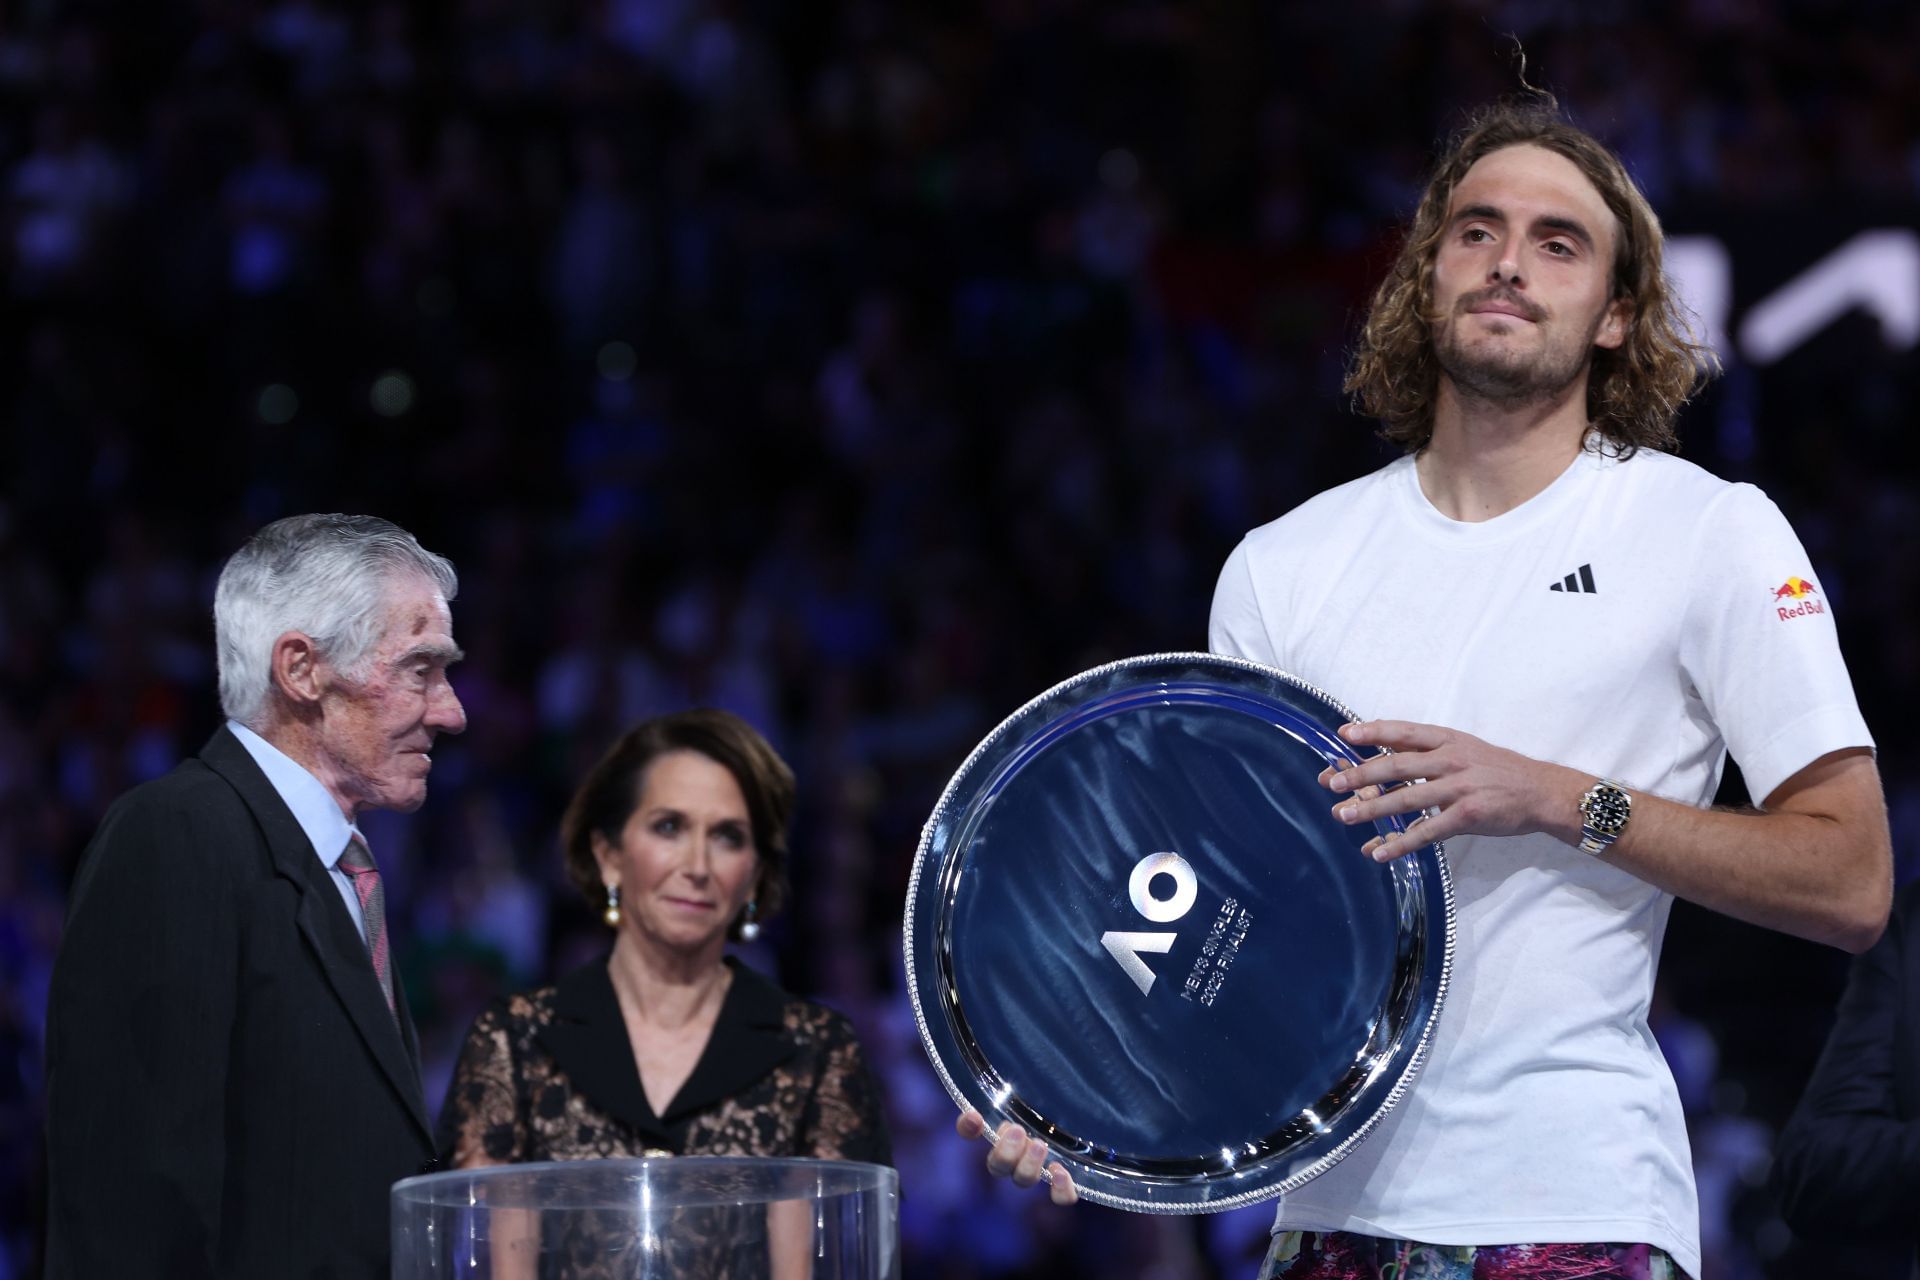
[1477, 212]
[1552, 221]
[445, 654]
[1572, 226]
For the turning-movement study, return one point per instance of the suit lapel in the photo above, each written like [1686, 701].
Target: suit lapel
[323, 921]
[409, 1034]
[749, 1040]
[588, 1039]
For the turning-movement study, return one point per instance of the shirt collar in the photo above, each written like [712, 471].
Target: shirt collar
[312, 805]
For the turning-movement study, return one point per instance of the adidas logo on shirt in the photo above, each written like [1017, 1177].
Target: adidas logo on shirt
[1580, 579]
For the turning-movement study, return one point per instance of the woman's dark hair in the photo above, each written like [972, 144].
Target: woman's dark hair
[611, 790]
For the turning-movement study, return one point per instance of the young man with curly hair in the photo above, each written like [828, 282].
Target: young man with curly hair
[1564, 630]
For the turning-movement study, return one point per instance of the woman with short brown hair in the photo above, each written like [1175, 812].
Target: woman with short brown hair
[678, 836]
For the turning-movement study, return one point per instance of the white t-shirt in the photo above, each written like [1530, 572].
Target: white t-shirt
[1636, 620]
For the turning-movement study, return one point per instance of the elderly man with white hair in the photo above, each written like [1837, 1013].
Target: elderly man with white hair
[233, 1078]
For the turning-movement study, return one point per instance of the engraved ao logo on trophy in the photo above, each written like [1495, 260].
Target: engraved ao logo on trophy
[1125, 947]
[1225, 936]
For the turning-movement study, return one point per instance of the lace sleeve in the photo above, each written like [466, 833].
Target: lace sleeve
[483, 1121]
[845, 1119]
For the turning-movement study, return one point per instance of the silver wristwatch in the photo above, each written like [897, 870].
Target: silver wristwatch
[1604, 811]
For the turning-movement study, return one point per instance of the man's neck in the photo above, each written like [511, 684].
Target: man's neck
[296, 741]
[1484, 460]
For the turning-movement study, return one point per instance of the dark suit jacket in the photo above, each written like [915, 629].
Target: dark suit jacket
[1849, 1160]
[227, 1093]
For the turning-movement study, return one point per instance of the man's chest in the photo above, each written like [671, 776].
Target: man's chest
[1532, 646]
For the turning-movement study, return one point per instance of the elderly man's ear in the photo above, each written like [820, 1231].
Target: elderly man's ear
[298, 670]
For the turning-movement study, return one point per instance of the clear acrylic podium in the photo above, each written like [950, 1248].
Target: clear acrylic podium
[663, 1218]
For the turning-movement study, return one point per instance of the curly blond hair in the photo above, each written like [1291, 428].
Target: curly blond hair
[1634, 391]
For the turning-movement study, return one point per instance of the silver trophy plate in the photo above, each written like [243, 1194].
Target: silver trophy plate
[1135, 928]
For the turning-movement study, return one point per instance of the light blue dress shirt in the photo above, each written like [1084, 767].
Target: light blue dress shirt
[313, 808]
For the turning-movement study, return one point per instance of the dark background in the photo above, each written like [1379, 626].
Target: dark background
[865, 368]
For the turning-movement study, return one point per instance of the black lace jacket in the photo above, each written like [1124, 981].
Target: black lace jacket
[550, 1075]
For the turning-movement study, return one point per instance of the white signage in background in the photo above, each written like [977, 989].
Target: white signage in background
[1876, 271]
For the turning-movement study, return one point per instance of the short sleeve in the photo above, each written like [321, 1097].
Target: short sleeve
[483, 1121]
[1236, 627]
[1760, 647]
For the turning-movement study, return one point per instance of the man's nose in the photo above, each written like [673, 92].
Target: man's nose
[1506, 270]
[445, 714]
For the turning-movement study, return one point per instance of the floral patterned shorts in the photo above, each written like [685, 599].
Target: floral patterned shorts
[1345, 1255]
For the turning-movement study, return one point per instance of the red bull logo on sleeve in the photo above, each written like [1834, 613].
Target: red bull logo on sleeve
[1797, 598]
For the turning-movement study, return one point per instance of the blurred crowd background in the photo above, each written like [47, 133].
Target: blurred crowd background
[863, 367]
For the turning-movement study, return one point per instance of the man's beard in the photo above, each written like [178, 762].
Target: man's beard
[1505, 379]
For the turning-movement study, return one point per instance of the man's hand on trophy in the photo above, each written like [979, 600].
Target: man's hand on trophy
[1019, 1156]
[1447, 783]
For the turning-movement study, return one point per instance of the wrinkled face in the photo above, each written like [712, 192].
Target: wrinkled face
[1522, 278]
[686, 862]
[379, 721]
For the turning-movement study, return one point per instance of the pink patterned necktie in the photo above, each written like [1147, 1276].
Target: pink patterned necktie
[357, 862]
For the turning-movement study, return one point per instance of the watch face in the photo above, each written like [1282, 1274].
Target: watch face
[1135, 928]
[1606, 808]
